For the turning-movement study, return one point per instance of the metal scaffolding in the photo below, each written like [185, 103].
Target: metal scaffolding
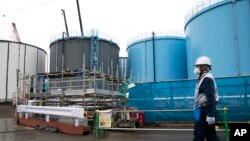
[79, 88]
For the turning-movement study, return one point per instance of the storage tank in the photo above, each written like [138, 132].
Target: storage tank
[123, 68]
[220, 29]
[27, 58]
[157, 56]
[94, 51]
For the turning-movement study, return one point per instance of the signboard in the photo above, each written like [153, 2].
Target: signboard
[105, 118]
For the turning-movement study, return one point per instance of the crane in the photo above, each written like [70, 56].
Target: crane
[65, 21]
[15, 35]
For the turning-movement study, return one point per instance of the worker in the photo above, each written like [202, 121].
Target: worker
[206, 97]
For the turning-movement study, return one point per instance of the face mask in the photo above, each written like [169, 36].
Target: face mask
[197, 71]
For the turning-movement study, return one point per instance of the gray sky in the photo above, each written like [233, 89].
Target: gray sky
[38, 20]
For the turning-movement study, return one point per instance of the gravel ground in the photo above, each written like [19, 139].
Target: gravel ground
[7, 111]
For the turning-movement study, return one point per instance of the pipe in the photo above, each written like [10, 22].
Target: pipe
[56, 56]
[237, 52]
[146, 66]
[7, 72]
[151, 129]
[47, 63]
[153, 35]
[79, 15]
[171, 110]
[37, 71]
[24, 61]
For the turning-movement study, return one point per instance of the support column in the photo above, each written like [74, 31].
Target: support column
[47, 118]
[77, 122]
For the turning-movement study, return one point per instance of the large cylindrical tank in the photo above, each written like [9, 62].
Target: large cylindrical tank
[123, 67]
[93, 50]
[27, 58]
[221, 31]
[157, 56]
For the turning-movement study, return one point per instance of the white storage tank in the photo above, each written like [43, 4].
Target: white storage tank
[27, 58]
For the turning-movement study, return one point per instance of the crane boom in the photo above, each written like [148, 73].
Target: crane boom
[65, 21]
[15, 36]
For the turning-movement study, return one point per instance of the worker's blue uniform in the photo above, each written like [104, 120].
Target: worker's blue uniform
[202, 129]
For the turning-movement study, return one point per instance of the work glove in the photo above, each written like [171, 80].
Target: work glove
[210, 120]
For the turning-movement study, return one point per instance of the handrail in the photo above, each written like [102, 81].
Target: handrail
[199, 7]
[170, 33]
[69, 84]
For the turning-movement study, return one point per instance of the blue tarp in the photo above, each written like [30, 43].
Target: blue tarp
[234, 93]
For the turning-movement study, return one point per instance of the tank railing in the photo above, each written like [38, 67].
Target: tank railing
[87, 33]
[200, 6]
[147, 35]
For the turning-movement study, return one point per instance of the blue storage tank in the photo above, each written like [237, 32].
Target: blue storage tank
[157, 56]
[123, 68]
[220, 29]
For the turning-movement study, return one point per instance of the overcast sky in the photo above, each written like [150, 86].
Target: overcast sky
[38, 20]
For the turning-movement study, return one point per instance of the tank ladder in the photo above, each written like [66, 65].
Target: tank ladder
[94, 50]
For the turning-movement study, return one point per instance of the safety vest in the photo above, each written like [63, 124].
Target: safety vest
[201, 98]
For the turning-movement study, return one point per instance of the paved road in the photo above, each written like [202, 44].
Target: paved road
[9, 131]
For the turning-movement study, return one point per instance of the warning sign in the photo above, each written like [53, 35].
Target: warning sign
[105, 118]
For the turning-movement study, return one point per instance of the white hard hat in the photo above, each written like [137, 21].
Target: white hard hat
[203, 60]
